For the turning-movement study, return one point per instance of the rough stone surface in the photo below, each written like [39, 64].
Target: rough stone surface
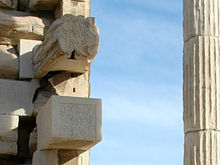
[15, 25]
[9, 4]
[69, 123]
[9, 128]
[43, 4]
[46, 157]
[71, 44]
[8, 62]
[16, 97]
[201, 84]
[67, 84]
[8, 148]
[202, 148]
[201, 17]
[25, 58]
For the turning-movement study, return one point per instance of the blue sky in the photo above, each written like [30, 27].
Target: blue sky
[138, 74]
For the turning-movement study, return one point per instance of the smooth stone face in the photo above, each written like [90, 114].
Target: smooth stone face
[47, 157]
[9, 128]
[25, 58]
[16, 25]
[69, 123]
[8, 62]
[8, 148]
[16, 97]
[9, 4]
[66, 84]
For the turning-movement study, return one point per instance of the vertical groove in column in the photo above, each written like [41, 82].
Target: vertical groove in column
[201, 18]
[201, 148]
[201, 73]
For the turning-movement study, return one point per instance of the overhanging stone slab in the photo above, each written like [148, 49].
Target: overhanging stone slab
[69, 123]
[43, 4]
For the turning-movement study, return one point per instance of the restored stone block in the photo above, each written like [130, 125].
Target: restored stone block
[8, 148]
[26, 64]
[201, 18]
[71, 44]
[16, 25]
[16, 97]
[9, 128]
[201, 84]
[68, 84]
[202, 148]
[69, 123]
[9, 4]
[8, 62]
[46, 157]
[73, 7]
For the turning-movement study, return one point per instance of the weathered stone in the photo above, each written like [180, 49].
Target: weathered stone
[33, 141]
[68, 84]
[9, 4]
[202, 148]
[25, 59]
[70, 157]
[8, 148]
[15, 25]
[8, 62]
[46, 157]
[69, 123]
[43, 4]
[201, 18]
[9, 128]
[201, 84]
[71, 44]
[16, 97]
[71, 7]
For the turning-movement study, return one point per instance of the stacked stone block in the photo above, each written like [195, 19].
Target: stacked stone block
[46, 49]
[201, 82]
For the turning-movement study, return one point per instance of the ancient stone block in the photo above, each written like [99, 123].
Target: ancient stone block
[25, 58]
[70, 7]
[71, 44]
[201, 17]
[16, 97]
[201, 84]
[68, 84]
[8, 148]
[15, 25]
[43, 4]
[9, 128]
[69, 123]
[8, 62]
[202, 148]
[9, 4]
[46, 157]
[33, 141]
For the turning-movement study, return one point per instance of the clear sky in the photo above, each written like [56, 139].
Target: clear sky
[138, 74]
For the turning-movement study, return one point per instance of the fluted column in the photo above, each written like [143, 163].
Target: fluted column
[201, 71]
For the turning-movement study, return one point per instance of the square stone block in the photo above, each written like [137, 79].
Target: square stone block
[25, 58]
[8, 148]
[69, 123]
[9, 128]
[48, 157]
[16, 97]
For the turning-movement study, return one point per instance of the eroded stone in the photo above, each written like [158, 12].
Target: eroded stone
[8, 62]
[43, 4]
[9, 4]
[71, 44]
[8, 148]
[15, 25]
